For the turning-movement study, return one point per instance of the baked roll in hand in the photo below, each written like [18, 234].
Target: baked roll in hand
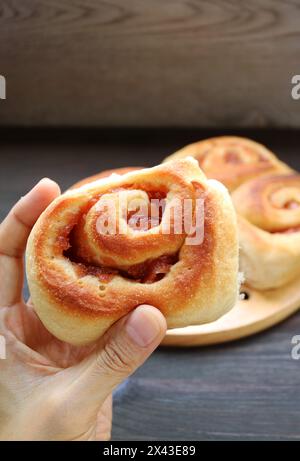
[269, 227]
[232, 160]
[83, 279]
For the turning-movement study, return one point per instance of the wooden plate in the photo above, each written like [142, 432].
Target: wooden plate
[260, 311]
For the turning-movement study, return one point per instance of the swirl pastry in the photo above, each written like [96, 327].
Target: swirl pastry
[232, 160]
[269, 227]
[82, 280]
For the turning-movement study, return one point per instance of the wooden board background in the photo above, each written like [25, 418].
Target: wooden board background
[150, 62]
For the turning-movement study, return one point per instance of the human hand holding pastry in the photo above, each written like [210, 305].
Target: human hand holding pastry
[46, 383]
[91, 321]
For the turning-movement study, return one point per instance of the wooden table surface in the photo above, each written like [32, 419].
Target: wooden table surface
[246, 390]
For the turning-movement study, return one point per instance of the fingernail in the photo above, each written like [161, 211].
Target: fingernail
[143, 326]
[41, 181]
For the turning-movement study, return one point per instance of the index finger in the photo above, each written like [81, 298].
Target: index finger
[14, 232]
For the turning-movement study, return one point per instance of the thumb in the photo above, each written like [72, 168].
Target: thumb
[125, 346]
[129, 343]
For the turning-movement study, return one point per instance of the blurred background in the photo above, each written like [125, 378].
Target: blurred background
[149, 63]
[94, 84]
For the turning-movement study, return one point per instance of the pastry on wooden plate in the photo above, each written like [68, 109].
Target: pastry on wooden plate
[269, 228]
[232, 160]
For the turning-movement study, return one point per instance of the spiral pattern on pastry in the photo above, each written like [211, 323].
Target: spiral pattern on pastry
[232, 160]
[82, 281]
[269, 227]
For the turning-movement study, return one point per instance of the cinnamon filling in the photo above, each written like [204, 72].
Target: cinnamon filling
[290, 230]
[292, 205]
[143, 220]
[104, 274]
[149, 271]
[152, 270]
[233, 157]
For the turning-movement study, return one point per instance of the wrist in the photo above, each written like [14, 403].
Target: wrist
[33, 422]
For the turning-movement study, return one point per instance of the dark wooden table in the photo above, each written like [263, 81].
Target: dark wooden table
[246, 390]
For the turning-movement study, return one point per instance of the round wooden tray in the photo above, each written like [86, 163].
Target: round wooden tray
[260, 311]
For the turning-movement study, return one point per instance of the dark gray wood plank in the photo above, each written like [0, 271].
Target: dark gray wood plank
[149, 63]
[69, 155]
[246, 390]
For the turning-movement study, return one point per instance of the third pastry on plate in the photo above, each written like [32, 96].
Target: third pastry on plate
[232, 160]
[269, 227]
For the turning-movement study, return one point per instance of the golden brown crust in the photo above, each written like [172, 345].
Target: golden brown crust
[232, 160]
[104, 174]
[269, 227]
[78, 292]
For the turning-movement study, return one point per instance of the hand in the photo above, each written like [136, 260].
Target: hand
[50, 390]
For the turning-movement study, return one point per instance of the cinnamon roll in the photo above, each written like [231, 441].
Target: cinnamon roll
[84, 275]
[232, 160]
[269, 228]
